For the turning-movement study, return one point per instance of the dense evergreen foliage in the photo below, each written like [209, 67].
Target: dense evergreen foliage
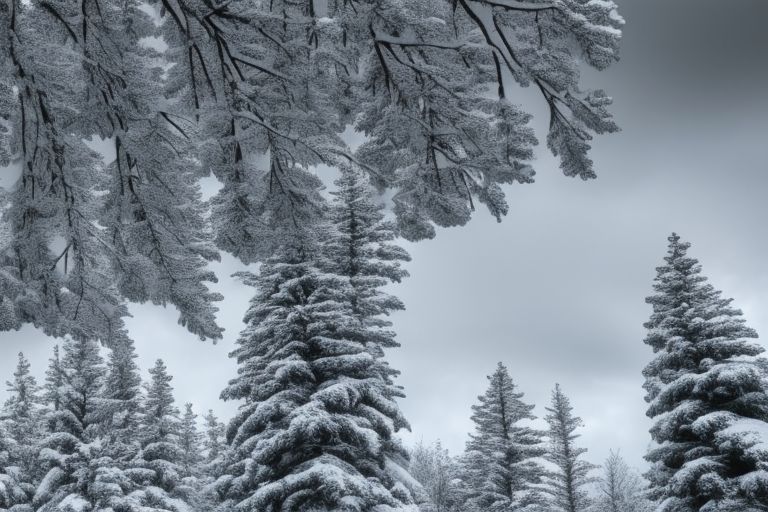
[706, 390]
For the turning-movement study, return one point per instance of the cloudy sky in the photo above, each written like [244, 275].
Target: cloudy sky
[556, 291]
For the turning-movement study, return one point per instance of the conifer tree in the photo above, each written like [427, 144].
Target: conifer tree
[566, 485]
[438, 473]
[620, 488]
[80, 474]
[158, 470]
[213, 439]
[315, 431]
[20, 431]
[54, 381]
[706, 391]
[120, 401]
[189, 443]
[500, 470]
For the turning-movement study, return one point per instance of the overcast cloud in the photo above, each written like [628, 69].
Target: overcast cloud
[557, 290]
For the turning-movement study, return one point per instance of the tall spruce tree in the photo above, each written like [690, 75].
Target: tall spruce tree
[500, 470]
[190, 443]
[706, 391]
[315, 431]
[566, 485]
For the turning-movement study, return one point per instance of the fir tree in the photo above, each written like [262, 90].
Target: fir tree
[566, 485]
[189, 442]
[80, 474]
[706, 391]
[158, 470]
[500, 470]
[54, 381]
[213, 439]
[621, 489]
[20, 432]
[120, 401]
[315, 431]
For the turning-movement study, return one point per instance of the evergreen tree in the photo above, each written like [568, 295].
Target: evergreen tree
[121, 401]
[706, 391]
[213, 440]
[158, 470]
[80, 474]
[566, 485]
[20, 432]
[189, 443]
[500, 470]
[315, 431]
[54, 381]
[22, 409]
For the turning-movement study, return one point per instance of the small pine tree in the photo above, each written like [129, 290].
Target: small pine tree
[706, 391]
[121, 401]
[189, 443]
[566, 485]
[20, 432]
[158, 469]
[54, 381]
[23, 412]
[500, 470]
[80, 475]
[214, 446]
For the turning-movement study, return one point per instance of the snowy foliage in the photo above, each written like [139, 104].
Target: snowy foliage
[566, 485]
[621, 489]
[500, 467]
[258, 94]
[707, 393]
[439, 474]
[315, 430]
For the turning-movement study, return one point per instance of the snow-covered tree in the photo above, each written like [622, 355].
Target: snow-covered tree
[120, 403]
[566, 484]
[80, 474]
[158, 470]
[438, 473]
[706, 391]
[620, 488]
[19, 430]
[54, 381]
[257, 93]
[500, 470]
[315, 430]
[189, 442]
[22, 408]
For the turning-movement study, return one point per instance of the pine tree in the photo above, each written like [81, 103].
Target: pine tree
[706, 391]
[566, 485]
[80, 474]
[500, 470]
[120, 402]
[158, 470]
[189, 443]
[54, 381]
[315, 431]
[20, 433]
[213, 440]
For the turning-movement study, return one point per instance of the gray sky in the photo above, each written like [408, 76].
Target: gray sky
[556, 291]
